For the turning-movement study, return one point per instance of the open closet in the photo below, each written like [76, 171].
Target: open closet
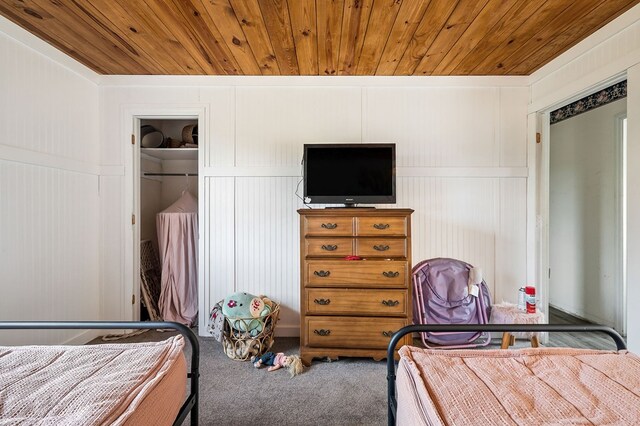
[168, 219]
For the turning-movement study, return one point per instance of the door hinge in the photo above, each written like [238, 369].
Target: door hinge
[549, 273]
[133, 139]
[538, 137]
[133, 219]
[133, 299]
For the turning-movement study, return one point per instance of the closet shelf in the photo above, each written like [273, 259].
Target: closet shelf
[171, 153]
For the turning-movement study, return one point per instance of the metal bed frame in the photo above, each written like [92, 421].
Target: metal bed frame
[191, 403]
[391, 364]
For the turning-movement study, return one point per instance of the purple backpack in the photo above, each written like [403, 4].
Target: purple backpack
[441, 296]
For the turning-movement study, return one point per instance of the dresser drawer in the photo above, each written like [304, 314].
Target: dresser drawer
[328, 225]
[356, 273]
[328, 247]
[375, 247]
[328, 301]
[381, 226]
[351, 332]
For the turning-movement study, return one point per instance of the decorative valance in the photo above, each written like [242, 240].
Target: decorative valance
[595, 100]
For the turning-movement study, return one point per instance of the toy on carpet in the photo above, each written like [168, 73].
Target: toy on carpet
[276, 361]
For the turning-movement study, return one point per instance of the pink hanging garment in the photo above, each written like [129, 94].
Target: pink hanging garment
[178, 246]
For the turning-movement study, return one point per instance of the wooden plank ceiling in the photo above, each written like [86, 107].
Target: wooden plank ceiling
[313, 37]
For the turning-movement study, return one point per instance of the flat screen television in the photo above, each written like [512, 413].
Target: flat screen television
[350, 174]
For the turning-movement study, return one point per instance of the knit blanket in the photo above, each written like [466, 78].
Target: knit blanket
[518, 387]
[81, 385]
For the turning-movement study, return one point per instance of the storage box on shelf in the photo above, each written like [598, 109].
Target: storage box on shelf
[353, 307]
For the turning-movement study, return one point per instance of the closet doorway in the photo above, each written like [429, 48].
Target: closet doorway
[166, 206]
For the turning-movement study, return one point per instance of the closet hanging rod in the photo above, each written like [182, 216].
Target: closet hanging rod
[170, 174]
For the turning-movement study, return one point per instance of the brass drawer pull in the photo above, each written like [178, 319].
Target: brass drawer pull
[390, 303]
[322, 301]
[390, 274]
[329, 225]
[322, 274]
[322, 332]
[381, 247]
[329, 247]
[381, 225]
[388, 333]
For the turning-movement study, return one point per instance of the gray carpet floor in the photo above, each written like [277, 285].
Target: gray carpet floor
[350, 391]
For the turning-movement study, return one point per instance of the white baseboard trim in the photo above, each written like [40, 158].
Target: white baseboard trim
[83, 337]
[287, 331]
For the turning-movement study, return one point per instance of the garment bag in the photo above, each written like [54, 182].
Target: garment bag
[178, 246]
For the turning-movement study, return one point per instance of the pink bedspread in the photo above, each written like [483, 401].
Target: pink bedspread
[518, 387]
[82, 385]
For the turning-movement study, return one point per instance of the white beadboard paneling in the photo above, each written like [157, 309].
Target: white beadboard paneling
[267, 243]
[435, 127]
[112, 223]
[46, 108]
[512, 126]
[48, 248]
[221, 149]
[453, 217]
[220, 258]
[272, 123]
[511, 239]
[49, 206]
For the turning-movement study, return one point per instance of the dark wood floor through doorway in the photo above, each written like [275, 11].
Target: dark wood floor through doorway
[576, 340]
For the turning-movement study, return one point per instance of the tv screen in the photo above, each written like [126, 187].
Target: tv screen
[349, 173]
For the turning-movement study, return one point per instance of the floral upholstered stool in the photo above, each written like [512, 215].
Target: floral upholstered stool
[508, 313]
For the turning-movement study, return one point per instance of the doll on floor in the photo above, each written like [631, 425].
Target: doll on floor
[276, 361]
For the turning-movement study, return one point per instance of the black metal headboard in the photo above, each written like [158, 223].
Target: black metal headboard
[391, 364]
[191, 403]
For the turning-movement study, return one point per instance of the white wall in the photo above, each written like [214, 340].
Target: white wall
[608, 55]
[583, 178]
[461, 148]
[49, 216]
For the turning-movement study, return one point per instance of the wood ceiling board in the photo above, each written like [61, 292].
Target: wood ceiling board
[167, 44]
[381, 20]
[119, 21]
[329, 22]
[597, 18]
[487, 19]
[504, 35]
[278, 24]
[303, 23]
[12, 14]
[207, 35]
[355, 17]
[250, 19]
[313, 37]
[463, 15]
[172, 19]
[434, 19]
[409, 17]
[553, 27]
[45, 19]
[223, 16]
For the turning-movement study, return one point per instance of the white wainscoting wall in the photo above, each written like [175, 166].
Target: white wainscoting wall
[49, 205]
[461, 164]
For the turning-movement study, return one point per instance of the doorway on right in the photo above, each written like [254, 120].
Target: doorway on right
[587, 196]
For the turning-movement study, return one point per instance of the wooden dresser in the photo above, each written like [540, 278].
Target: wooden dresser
[352, 307]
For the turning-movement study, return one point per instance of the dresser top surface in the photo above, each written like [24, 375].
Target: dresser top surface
[354, 212]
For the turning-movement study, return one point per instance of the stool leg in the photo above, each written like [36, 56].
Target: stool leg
[534, 342]
[506, 340]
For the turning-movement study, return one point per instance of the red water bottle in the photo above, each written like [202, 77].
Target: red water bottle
[530, 298]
